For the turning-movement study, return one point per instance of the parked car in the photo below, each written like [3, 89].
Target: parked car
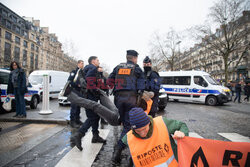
[195, 86]
[62, 100]
[57, 80]
[32, 98]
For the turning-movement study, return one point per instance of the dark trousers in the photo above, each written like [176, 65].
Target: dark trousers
[75, 110]
[124, 101]
[20, 102]
[92, 118]
[154, 107]
[247, 97]
[238, 94]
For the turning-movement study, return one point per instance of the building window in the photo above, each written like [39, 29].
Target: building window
[31, 61]
[8, 24]
[7, 35]
[36, 62]
[24, 58]
[18, 29]
[17, 54]
[17, 40]
[14, 19]
[37, 49]
[32, 46]
[5, 13]
[32, 36]
[25, 44]
[7, 52]
[25, 34]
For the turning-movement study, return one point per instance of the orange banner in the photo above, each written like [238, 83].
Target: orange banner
[195, 152]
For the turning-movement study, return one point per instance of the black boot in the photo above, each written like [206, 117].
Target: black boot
[74, 124]
[77, 140]
[97, 139]
[116, 157]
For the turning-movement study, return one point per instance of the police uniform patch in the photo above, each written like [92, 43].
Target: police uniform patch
[72, 74]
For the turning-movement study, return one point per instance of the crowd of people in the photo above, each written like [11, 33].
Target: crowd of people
[237, 88]
[136, 94]
[135, 105]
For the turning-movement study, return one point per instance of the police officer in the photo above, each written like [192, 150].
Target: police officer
[152, 84]
[91, 73]
[74, 79]
[128, 80]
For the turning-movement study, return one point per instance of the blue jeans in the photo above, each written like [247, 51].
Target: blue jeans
[92, 118]
[124, 101]
[20, 102]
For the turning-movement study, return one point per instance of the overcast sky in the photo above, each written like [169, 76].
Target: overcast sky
[107, 28]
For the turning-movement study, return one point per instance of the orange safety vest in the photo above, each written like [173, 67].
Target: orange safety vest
[149, 105]
[154, 151]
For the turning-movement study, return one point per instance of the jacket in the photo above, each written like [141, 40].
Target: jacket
[22, 87]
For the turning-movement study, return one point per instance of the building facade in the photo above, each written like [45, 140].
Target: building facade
[23, 40]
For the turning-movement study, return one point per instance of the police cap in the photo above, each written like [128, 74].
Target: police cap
[147, 60]
[132, 53]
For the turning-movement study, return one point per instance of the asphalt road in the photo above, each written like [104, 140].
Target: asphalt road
[206, 121]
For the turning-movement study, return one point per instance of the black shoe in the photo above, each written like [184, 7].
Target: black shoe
[67, 89]
[74, 124]
[97, 139]
[79, 122]
[77, 140]
[116, 157]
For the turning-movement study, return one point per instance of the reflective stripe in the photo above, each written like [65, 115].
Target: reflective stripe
[165, 164]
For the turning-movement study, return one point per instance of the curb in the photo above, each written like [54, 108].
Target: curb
[29, 120]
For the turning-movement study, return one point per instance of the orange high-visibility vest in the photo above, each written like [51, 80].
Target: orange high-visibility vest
[153, 151]
[149, 105]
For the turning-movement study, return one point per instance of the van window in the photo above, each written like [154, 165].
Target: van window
[211, 80]
[182, 80]
[198, 80]
[4, 78]
[167, 80]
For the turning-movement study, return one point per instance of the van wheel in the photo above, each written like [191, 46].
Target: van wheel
[211, 100]
[34, 102]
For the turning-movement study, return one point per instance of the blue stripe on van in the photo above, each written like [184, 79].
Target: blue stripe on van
[183, 90]
[30, 92]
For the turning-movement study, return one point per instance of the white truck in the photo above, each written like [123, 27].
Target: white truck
[57, 80]
[196, 86]
[32, 98]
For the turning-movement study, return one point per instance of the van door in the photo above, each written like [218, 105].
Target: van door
[4, 79]
[199, 89]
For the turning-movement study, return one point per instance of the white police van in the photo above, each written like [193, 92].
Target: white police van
[32, 98]
[57, 80]
[196, 86]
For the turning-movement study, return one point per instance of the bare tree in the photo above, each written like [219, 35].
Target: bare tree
[165, 46]
[231, 37]
[70, 49]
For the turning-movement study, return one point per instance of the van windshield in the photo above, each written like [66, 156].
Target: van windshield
[36, 79]
[211, 80]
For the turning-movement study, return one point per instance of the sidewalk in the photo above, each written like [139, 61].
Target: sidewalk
[59, 116]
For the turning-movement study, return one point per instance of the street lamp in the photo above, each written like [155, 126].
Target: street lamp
[178, 43]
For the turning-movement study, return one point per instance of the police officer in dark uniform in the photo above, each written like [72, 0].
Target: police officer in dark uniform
[91, 72]
[128, 80]
[74, 79]
[153, 83]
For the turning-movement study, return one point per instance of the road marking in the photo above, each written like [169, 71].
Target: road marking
[193, 134]
[76, 158]
[61, 152]
[235, 137]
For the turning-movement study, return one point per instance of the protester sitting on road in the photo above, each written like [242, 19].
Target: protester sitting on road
[150, 141]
